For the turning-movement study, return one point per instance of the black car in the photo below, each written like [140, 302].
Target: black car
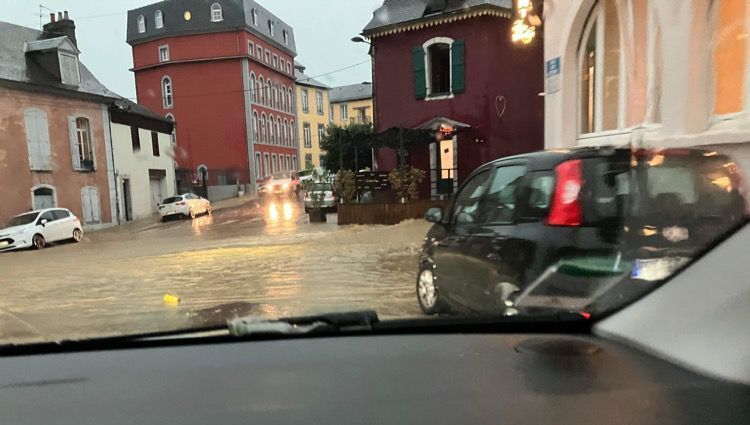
[517, 222]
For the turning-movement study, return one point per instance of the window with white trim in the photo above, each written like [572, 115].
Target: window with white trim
[344, 112]
[81, 144]
[258, 166]
[292, 132]
[272, 28]
[319, 102]
[217, 14]
[286, 132]
[253, 87]
[271, 134]
[278, 130]
[255, 127]
[164, 53]
[305, 101]
[255, 17]
[158, 19]
[251, 48]
[173, 136]
[263, 137]
[274, 163]
[266, 164]
[167, 93]
[306, 133]
[259, 55]
[275, 63]
[321, 133]
[141, 24]
[438, 67]
[286, 37]
[268, 57]
[37, 139]
[260, 90]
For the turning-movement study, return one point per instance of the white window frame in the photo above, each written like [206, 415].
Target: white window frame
[286, 132]
[217, 13]
[268, 57]
[164, 53]
[344, 110]
[141, 20]
[255, 17]
[274, 164]
[80, 146]
[305, 97]
[251, 49]
[428, 68]
[286, 37]
[319, 104]
[275, 61]
[173, 136]
[72, 80]
[267, 164]
[253, 87]
[262, 123]
[277, 125]
[167, 92]
[259, 51]
[321, 133]
[158, 19]
[294, 162]
[255, 129]
[258, 165]
[261, 90]
[307, 135]
[292, 132]
[272, 28]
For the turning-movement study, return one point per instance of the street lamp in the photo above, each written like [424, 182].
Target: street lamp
[359, 39]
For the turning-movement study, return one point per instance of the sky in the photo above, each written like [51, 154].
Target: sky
[322, 28]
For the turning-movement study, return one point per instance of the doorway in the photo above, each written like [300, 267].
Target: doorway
[43, 197]
[127, 200]
[156, 195]
[443, 164]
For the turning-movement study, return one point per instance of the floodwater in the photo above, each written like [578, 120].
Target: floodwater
[260, 258]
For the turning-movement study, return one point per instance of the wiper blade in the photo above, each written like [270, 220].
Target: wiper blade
[356, 321]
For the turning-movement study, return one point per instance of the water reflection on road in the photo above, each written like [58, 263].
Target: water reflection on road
[262, 258]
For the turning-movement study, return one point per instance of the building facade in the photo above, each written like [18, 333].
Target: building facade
[313, 112]
[144, 160]
[450, 67]
[224, 71]
[55, 149]
[661, 73]
[352, 104]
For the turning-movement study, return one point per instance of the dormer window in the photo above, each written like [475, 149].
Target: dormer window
[158, 19]
[286, 37]
[216, 13]
[272, 28]
[141, 24]
[69, 73]
[255, 17]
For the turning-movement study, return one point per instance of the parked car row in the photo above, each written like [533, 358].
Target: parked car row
[516, 223]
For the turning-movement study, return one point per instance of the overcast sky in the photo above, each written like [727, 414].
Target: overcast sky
[322, 28]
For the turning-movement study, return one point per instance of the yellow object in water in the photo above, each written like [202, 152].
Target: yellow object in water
[171, 299]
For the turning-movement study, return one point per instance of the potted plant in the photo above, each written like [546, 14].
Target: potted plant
[405, 181]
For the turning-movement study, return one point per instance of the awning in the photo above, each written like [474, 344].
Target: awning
[436, 123]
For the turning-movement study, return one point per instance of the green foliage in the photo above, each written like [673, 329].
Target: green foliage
[405, 181]
[315, 197]
[346, 185]
[345, 139]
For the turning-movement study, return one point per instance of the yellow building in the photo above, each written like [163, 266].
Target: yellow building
[312, 117]
[352, 104]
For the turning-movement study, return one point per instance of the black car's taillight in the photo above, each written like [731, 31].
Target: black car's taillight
[566, 203]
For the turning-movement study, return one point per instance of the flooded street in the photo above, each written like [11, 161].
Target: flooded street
[259, 258]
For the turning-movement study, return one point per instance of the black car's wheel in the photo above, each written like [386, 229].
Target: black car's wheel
[38, 241]
[427, 294]
[77, 235]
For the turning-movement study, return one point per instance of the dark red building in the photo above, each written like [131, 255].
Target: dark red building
[223, 70]
[450, 67]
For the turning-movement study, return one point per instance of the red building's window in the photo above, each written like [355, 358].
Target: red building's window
[440, 68]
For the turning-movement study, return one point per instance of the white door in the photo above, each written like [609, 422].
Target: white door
[156, 196]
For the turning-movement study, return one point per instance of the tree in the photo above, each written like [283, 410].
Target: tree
[353, 141]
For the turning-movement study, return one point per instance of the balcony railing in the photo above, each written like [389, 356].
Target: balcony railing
[367, 119]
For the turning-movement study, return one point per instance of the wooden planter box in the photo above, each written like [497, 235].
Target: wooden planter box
[390, 213]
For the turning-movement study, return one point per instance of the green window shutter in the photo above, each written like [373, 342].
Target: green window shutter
[420, 82]
[458, 73]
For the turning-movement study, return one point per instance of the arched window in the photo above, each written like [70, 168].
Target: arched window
[279, 137]
[286, 131]
[216, 13]
[43, 196]
[141, 24]
[291, 132]
[158, 19]
[202, 175]
[173, 136]
[269, 124]
[263, 137]
[599, 78]
[261, 90]
[167, 94]
[255, 127]
[282, 98]
[438, 66]
[275, 97]
[268, 91]
[253, 84]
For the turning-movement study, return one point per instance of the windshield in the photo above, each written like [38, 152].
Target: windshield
[373, 155]
[22, 220]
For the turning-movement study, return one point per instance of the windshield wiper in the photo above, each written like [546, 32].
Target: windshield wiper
[356, 321]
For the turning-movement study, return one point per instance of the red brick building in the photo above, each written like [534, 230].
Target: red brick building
[224, 71]
[450, 65]
[55, 146]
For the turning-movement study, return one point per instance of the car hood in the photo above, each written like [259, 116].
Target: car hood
[9, 230]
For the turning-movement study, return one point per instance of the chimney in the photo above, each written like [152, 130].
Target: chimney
[62, 26]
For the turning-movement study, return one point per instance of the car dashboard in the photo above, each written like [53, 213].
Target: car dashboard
[394, 379]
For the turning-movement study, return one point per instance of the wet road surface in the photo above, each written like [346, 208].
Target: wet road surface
[260, 258]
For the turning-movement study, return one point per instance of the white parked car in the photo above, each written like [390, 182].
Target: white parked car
[184, 205]
[37, 228]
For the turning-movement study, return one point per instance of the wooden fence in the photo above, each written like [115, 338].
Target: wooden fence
[391, 213]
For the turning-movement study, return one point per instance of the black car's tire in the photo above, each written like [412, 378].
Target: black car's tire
[38, 241]
[428, 296]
